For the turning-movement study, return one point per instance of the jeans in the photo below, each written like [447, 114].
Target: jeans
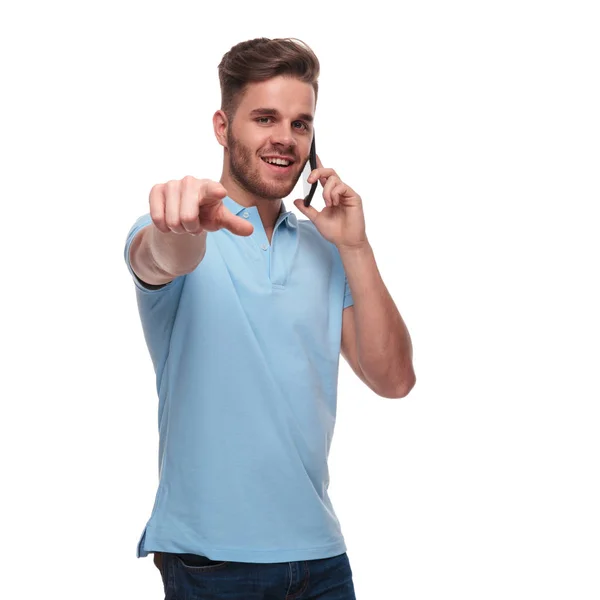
[195, 577]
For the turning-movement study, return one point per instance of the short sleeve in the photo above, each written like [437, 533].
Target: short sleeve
[157, 305]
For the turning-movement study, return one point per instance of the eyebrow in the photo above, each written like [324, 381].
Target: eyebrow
[273, 111]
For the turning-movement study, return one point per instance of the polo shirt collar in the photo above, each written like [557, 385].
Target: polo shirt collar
[285, 215]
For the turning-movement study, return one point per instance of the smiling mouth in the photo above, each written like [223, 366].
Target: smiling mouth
[280, 164]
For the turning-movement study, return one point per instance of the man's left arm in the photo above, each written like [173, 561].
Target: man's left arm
[375, 341]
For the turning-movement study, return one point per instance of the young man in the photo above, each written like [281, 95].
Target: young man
[245, 310]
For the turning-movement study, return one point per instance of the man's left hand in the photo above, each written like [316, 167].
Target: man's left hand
[342, 221]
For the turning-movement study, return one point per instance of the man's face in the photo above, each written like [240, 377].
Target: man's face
[273, 121]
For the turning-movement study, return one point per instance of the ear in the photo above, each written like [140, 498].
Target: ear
[220, 125]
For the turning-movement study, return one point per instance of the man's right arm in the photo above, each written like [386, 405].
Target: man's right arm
[157, 258]
[174, 243]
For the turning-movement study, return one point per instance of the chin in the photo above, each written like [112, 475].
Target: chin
[283, 192]
[274, 191]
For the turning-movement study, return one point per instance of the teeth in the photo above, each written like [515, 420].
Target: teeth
[277, 161]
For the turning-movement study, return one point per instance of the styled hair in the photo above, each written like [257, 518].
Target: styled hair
[261, 59]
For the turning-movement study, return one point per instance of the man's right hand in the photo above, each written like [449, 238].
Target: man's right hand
[191, 206]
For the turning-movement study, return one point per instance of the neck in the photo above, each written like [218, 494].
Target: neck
[267, 209]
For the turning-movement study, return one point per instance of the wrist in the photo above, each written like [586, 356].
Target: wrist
[363, 247]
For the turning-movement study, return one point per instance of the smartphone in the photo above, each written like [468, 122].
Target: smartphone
[309, 190]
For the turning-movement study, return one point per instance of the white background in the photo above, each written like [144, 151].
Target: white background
[471, 130]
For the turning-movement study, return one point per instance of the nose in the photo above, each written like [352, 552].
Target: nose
[283, 136]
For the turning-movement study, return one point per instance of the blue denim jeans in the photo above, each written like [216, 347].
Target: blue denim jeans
[195, 577]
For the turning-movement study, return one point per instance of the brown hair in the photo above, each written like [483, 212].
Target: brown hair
[261, 59]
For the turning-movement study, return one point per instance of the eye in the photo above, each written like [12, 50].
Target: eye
[302, 124]
[263, 120]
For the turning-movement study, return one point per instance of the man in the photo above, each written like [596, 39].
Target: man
[245, 311]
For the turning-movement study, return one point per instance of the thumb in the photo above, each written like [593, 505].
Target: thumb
[308, 211]
[236, 225]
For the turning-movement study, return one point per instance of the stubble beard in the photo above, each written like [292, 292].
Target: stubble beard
[247, 176]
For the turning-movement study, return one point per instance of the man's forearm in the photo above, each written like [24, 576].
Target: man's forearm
[158, 257]
[383, 343]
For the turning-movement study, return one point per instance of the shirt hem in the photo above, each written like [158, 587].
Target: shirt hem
[258, 556]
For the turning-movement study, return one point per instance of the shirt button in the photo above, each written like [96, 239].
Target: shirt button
[264, 247]
[246, 215]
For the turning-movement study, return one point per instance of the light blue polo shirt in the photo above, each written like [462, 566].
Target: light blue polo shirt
[246, 350]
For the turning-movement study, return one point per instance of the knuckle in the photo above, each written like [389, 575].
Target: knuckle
[172, 222]
[156, 196]
[157, 188]
[156, 215]
[188, 217]
[189, 181]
